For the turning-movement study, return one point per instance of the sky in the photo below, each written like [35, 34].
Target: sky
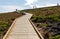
[12, 5]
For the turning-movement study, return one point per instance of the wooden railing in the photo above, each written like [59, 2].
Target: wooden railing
[35, 28]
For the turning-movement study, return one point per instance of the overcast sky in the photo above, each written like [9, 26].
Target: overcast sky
[11, 5]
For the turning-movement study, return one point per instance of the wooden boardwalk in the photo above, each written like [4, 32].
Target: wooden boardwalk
[23, 29]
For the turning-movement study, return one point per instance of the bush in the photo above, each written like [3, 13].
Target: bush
[3, 25]
[56, 19]
[55, 37]
[34, 18]
[43, 24]
[37, 18]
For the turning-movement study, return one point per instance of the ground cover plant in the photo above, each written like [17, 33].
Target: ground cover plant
[6, 19]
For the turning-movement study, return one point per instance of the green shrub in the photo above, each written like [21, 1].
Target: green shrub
[43, 24]
[56, 19]
[34, 18]
[55, 37]
[3, 25]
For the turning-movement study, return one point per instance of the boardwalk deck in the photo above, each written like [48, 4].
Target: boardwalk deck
[23, 29]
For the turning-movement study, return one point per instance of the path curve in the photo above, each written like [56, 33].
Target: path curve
[23, 29]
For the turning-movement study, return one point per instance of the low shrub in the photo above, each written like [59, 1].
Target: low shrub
[55, 37]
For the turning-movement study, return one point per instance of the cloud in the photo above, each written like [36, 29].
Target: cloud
[9, 8]
[46, 5]
[30, 2]
[50, 4]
